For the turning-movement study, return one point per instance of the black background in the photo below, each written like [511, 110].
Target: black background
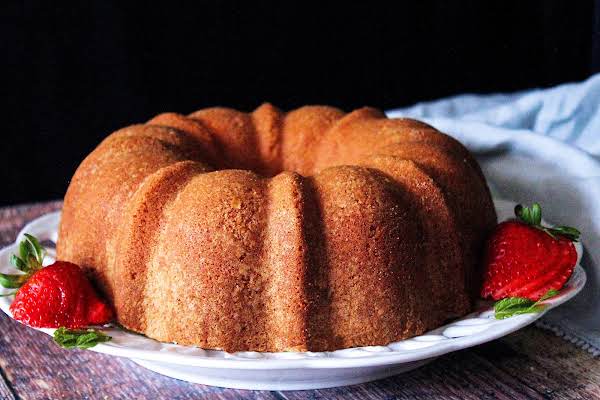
[74, 73]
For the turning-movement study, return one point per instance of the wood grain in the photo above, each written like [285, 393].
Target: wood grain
[529, 364]
[6, 391]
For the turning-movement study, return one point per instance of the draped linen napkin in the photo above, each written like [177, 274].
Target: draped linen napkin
[544, 146]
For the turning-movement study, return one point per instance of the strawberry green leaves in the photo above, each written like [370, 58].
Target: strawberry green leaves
[31, 253]
[533, 216]
[566, 231]
[512, 306]
[80, 339]
[12, 281]
[30, 259]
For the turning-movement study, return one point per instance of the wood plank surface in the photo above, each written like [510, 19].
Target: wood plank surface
[529, 364]
[6, 391]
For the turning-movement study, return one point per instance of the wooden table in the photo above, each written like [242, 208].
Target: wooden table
[531, 364]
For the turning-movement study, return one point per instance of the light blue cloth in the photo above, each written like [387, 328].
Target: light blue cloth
[540, 145]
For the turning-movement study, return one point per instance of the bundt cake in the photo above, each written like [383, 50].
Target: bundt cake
[309, 230]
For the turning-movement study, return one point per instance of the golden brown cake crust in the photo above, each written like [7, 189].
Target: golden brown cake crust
[272, 231]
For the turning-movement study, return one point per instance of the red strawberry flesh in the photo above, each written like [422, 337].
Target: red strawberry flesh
[523, 261]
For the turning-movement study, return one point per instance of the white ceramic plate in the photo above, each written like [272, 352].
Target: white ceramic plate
[309, 370]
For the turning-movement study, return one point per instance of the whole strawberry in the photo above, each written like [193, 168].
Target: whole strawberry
[54, 296]
[525, 259]
[59, 295]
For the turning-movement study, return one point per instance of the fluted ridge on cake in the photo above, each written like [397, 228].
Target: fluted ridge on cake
[442, 253]
[138, 235]
[104, 184]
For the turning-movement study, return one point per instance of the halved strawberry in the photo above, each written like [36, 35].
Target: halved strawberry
[525, 259]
